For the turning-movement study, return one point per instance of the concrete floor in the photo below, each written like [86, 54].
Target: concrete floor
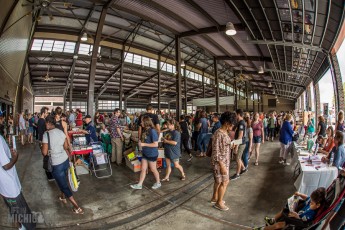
[110, 203]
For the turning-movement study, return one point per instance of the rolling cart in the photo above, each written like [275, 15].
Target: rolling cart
[100, 162]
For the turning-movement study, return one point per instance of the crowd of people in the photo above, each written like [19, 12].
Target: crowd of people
[231, 135]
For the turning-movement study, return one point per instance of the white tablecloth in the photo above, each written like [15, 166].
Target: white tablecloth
[312, 178]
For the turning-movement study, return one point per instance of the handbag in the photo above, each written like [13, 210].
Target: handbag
[209, 148]
[47, 159]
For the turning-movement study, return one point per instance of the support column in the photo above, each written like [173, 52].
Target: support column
[247, 109]
[259, 97]
[185, 90]
[96, 103]
[253, 103]
[215, 68]
[317, 100]
[178, 77]
[203, 87]
[121, 77]
[306, 99]
[310, 106]
[235, 89]
[159, 81]
[302, 102]
[93, 65]
[226, 106]
[337, 82]
[262, 102]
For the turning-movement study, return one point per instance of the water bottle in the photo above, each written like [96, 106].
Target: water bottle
[331, 159]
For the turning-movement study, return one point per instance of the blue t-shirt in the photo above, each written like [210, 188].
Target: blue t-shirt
[91, 137]
[339, 157]
[31, 122]
[307, 214]
[172, 151]
[204, 125]
[216, 126]
[151, 136]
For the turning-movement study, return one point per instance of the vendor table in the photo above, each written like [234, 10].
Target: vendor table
[314, 175]
[71, 133]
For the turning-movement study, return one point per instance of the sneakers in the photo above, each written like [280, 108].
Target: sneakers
[244, 171]
[269, 221]
[136, 186]
[190, 157]
[235, 177]
[281, 161]
[286, 163]
[156, 185]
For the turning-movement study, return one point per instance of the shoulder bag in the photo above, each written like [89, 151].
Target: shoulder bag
[47, 159]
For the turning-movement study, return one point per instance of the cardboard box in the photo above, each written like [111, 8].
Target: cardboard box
[161, 153]
[135, 165]
[128, 151]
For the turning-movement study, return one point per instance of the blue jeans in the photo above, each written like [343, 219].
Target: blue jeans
[245, 155]
[60, 176]
[202, 142]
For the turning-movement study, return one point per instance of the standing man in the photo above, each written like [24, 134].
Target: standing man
[41, 128]
[10, 188]
[90, 130]
[239, 149]
[71, 119]
[154, 118]
[117, 139]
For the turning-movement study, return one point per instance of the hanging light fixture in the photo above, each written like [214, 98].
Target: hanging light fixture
[84, 37]
[269, 84]
[261, 70]
[183, 64]
[230, 29]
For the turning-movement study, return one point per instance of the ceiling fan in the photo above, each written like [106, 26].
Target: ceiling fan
[47, 78]
[47, 6]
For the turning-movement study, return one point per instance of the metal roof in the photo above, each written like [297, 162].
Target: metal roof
[290, 35]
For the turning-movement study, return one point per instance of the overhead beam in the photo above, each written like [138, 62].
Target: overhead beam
[92, 76]
[284, 43]
[244, 58]
[108, 80]
[142, 83]
[208, 30]
[279, 82]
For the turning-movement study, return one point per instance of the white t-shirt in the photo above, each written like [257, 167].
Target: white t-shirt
[9, 182]
[21, 122]
[104, 131]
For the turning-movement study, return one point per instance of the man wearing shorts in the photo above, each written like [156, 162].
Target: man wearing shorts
[10, 188]
[239, 149]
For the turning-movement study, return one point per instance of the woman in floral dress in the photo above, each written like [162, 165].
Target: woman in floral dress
[221, 148]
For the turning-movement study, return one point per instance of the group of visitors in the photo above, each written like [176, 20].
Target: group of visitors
[236, 135]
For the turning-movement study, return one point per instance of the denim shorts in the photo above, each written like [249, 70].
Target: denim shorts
[257, 139]
[151, 159]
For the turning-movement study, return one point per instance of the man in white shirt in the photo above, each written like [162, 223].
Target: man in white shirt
[10, 188]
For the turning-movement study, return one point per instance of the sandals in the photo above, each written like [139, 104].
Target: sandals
[165, 179]
[78, 210]
[225, 208]
[63, 200]
[183, 177]
[256, 163]
[213, 202]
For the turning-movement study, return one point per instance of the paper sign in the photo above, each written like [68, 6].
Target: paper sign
[100, 159]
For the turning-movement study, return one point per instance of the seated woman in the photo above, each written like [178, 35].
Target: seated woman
[301, 218]
[329, 142]
[338, 151]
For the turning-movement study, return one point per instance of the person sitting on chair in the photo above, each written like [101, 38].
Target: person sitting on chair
[300, 218]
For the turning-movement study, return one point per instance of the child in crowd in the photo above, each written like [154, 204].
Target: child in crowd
[302, 217]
